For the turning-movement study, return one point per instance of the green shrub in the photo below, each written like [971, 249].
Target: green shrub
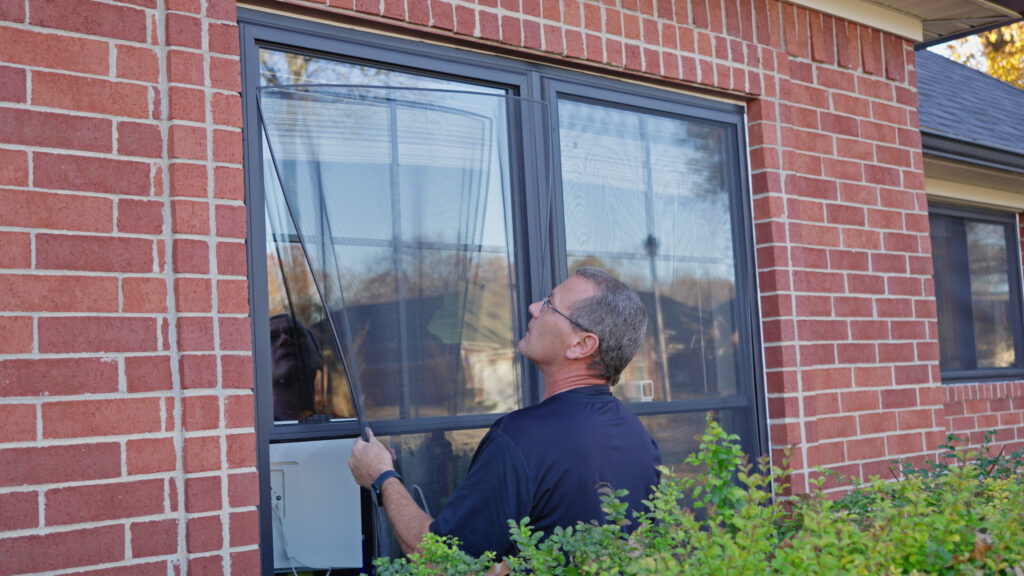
[963, 514]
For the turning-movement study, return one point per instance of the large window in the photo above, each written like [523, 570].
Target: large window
[977, 289]
[454, 189]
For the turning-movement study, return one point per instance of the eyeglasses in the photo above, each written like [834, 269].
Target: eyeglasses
[546, 303]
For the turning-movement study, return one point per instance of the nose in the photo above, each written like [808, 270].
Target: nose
[535, 308]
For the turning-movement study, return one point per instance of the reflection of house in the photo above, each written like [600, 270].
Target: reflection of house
[134, 418]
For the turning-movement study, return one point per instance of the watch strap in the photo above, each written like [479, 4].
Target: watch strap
[378, 484]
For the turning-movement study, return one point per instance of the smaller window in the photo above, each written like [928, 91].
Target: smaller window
[977, 290]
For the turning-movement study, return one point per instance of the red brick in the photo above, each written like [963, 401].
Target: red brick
[137, 63]
[201, 412]
[207, 565]
[150, 455]
[817, 355]
[228, 183]
[809, 306]
[57, 377]
[191, 257]
[144, 294]
[62, 550]
[12, 11]
[826, 379]
[837, 427]
[156, 538]
[195, 334]
[822, 330]
[848, 260]
[94, 253]
[873, 376]
[898, 444]
[856, 353]
[19, 510]
[193, 294]
[139, 139]
[96, 334]
[231, 260]
[223, 38]
[813, 281]
[244, 529]
[899, 398]
[914, 419]
[854, 307]
[226, 74]
[233, 296]
[56, 51]
[18, 334]
[17, 424]
[893, 352]
[13, 85]
[895, 67]
[202, 454]
[877, 422]
[230, 221]
[186, 103]
[185, 68]
[88, 17]
[239, 411]
[53, 464]
[865, 283]
[826, 454]
[88, 174]
[202, 494]
[198, 371]
[865, 448]
[183, 30]
[235, 334]
[226, 109]
[914, 374]
[13, 164]
[148, 373]
[237, 371]
[241, 451]
[859, 401]
[56, 211]
[187, 142]
[50, 129]
[31, 293]
[243, 489]
[140, 216]
[110, 417]
[190, 217]
[92, 95]
[814, 235]
[99, 502]
[227, 146]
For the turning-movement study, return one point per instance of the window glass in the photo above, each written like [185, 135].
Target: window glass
[407, 237]
[644, 197]
[990, 294]
[977, 292]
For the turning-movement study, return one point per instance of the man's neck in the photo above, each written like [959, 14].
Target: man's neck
[558, 383]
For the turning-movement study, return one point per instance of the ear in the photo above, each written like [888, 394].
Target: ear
[584, 346]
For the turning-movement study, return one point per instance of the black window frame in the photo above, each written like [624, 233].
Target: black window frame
[259, 29]
[967, 345]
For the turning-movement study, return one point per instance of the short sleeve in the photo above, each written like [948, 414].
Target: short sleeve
[496, 488]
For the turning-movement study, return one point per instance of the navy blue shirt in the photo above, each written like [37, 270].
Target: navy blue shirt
[547, 462]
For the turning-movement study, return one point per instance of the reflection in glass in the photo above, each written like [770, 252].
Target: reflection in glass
[990, 294]
[946, 233]
[431, 465]
[645, 198]
[414, 217]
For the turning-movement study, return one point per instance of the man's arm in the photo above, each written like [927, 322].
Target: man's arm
[408, 521]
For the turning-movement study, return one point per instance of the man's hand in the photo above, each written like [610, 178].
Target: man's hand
[369, 460]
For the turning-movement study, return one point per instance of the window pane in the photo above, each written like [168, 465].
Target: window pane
[412, 235]
[644, 197]
[990, 294]
[947, 236]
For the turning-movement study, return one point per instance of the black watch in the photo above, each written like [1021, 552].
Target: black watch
[379, 482]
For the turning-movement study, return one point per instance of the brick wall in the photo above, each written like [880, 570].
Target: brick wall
[126, 410]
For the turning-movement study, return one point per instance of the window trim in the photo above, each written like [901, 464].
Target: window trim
[259, 29]
[1016, 301]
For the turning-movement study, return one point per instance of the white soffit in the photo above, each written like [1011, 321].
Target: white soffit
[885, 16]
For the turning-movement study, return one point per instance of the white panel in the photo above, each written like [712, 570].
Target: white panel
[316, 507]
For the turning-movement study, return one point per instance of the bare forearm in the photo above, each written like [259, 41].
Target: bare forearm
[408, 521]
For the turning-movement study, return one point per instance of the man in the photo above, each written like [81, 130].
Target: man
[295, 361]
[545, 461]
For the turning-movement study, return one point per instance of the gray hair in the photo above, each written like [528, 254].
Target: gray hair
[618, 318]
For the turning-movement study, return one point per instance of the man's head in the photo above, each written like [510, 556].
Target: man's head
[294, 351]
[594, 318]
